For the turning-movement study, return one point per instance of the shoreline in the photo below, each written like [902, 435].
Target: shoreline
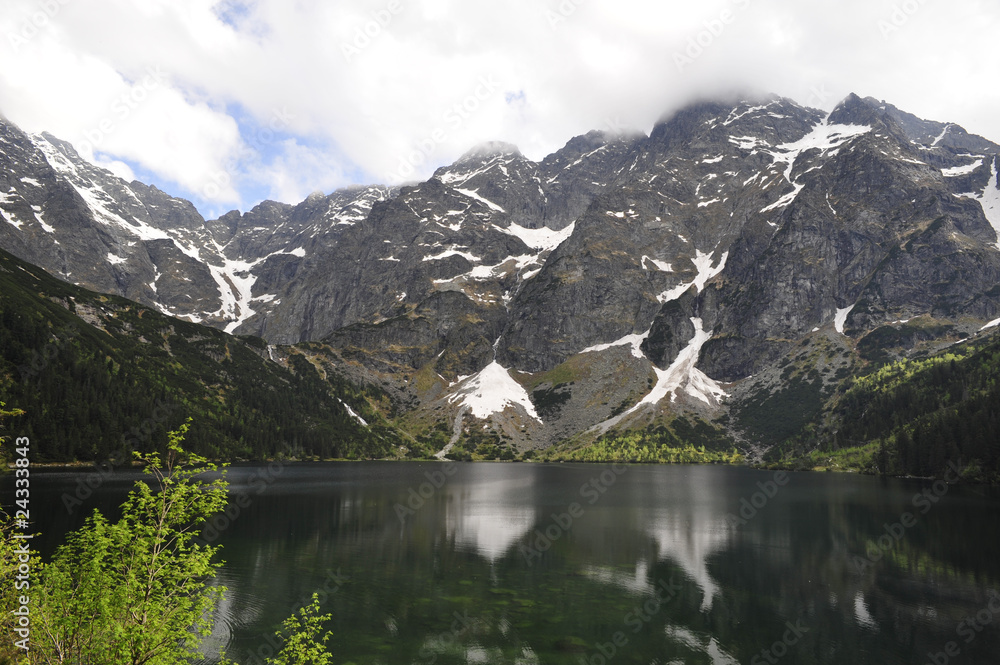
[56, 467]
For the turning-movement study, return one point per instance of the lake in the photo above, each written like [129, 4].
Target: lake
[559, 563]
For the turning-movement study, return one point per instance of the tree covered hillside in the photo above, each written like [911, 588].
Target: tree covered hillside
[914, 416]
[99, 376]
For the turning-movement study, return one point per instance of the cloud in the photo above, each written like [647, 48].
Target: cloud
[118, 112]
[377, 90]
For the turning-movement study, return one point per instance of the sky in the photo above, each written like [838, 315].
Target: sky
[233, 102]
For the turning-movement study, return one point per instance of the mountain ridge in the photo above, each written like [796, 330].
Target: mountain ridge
[620, 281]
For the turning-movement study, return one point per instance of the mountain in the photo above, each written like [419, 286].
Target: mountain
[133, 240]
[730, 269]
[99, 376]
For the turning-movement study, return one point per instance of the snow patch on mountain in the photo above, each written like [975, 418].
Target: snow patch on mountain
[449, 177]
[543, 239]
[635, 341]
[10, 220]
[662, 266]
[823, 137]
[989, 199]
[453, 252]
[97, 200]
[703, 263]
[357, 209]
[474, 194]
[496, 271]
[680, 375]
[961, 170]
[351, 413]
[941, 135]
[786, 199]
[490, 391]
[674, 293]
[235, 281]
[235, 288]
[747, 142]
[488, 272]
[735, 115]
[37, 210]
[841, 318]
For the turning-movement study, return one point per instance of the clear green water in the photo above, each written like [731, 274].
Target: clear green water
[649, 566]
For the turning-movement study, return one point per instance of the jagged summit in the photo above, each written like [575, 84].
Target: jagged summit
[490, 149]
[853, 110]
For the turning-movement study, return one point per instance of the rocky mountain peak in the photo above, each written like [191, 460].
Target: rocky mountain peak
[853, 110]
[489, 149]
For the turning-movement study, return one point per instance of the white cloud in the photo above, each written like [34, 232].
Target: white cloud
[367, 86]
[118, 110]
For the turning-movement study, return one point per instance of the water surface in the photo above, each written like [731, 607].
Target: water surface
[532, 563]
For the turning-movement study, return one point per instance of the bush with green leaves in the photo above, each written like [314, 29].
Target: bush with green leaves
[304, 642]
[136, 591]
[139, 591]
